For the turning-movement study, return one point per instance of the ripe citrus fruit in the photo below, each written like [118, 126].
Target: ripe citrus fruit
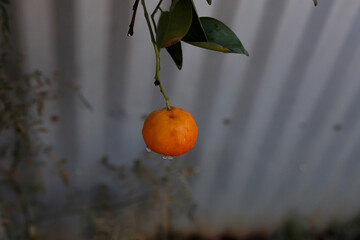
[170, 132]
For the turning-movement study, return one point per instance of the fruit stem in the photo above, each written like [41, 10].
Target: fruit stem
[157, 54]
[157, 77]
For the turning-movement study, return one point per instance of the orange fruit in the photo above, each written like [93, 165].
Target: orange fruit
[170, 132]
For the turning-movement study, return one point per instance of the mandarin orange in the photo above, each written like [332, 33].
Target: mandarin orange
[170, 132]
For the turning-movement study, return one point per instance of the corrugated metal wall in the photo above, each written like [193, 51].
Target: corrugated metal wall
[278, 130]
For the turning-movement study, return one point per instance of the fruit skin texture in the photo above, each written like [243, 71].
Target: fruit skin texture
[170, 133]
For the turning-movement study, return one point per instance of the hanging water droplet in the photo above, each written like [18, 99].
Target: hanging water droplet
[148, 149]
[164, 157]
[129, 34]
[170, 157]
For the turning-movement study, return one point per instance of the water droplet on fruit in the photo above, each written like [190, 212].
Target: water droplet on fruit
[148, 149]
[164, 157]
[170, 157]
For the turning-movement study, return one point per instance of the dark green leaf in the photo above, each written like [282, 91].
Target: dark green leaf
[175, 52]
[174, 24]
[209, 1]
[220, 37]
[196, 32]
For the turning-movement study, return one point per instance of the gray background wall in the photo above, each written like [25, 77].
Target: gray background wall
[278, 130]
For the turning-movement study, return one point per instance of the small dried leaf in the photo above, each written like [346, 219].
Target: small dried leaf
[39, 176]
[54, 118]
[55, 96]
[21, 129]
[40, 107]
[42, 94]
[48, 149]
[104, 160]
[33, 232]
[62, 161]
[48, 81]
[54, 158]
[36, 122]
[64, 175]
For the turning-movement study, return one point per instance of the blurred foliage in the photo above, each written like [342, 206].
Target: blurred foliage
[22, 101]
[297, 228]
[4, 22]
[294, 228]
[156, 192]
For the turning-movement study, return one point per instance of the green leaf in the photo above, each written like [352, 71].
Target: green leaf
[209, 1]
[196, 32]
[175, 52]
[220, 37]
[174, 24]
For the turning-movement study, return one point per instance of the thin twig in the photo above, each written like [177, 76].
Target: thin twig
[131, 26]
[153, 14]
[148, 22]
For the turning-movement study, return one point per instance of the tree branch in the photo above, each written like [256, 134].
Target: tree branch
[131, 26]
